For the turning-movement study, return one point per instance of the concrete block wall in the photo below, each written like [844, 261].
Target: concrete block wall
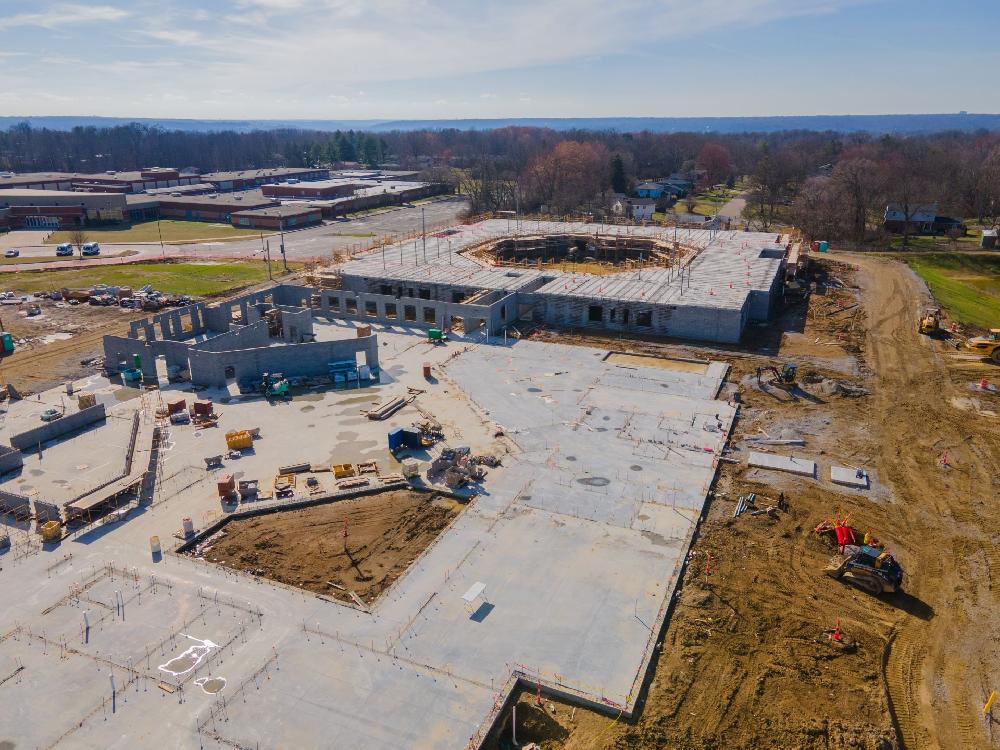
[239, 337]
[11, 459]
[296, 323]
[295, 360]
[683, 321]
[30, 439]
[12, 502]
[414, 311]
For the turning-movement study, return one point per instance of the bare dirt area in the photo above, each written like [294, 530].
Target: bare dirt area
[746, 658]
[50, 348]
[307, 548]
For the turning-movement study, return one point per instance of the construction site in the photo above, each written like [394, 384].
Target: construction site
[513, 484]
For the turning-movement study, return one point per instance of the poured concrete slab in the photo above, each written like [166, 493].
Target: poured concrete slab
[783, 463]
[849, 477]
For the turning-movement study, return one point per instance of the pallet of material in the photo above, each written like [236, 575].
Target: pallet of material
[343, 471]
[367, 467]
[346, 484]
[387, 408]
[295, 468]
[392, 478]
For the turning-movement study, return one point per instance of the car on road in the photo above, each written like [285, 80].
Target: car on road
[64, 250]
[90, 248]
[12, 253]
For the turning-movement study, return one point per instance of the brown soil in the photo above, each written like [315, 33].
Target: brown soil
[35, 366]
[745, 661]
[306, 548]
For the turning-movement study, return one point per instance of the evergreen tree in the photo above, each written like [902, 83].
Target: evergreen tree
[619, 182]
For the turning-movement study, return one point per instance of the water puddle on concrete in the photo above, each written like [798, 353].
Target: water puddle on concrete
[191, 658]
[211, 685]
[308, 397]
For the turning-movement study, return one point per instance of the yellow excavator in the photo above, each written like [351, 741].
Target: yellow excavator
[986, 346]
[930, 323]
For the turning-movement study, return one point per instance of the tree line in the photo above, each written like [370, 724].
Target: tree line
[831, 185]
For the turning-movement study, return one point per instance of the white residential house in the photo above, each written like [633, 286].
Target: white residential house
[641, 209]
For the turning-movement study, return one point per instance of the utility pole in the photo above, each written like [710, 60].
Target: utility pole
[267, 254]
[281, 230]
[163, 251]
[423, 230]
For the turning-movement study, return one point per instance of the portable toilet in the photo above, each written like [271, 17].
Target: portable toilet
[411, 436]
[823, 245]
[8, 342]
[396, 439]
[434, 334]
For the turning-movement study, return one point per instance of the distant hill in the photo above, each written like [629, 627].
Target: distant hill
[877, 124]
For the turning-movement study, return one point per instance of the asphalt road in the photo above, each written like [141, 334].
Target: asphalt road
[313, 243]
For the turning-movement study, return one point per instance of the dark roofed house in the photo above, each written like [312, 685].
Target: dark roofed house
[920, 218]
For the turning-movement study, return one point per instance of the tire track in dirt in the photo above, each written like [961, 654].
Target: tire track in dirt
[934, 657]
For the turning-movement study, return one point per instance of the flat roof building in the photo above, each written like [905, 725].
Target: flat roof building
[211, 207]
[315, 189]
[287, 216]
[252, 178]
[53, 209]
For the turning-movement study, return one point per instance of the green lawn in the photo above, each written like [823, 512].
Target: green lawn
[966, 286]
[173, 231]
[198, 279]
[931, 243]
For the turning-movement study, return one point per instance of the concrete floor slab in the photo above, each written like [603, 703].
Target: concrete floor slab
[579, 537]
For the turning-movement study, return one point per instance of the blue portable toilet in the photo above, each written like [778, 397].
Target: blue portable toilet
[411, 437]
[396, 439]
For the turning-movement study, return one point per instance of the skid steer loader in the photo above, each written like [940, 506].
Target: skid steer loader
[870, 569]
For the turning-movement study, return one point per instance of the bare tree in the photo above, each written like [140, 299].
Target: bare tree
[78, 236]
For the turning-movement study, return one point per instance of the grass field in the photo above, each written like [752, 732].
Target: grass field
[173, 231]
[198, 279]
[966, 286]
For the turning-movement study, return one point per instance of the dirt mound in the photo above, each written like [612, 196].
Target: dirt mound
[308, 548]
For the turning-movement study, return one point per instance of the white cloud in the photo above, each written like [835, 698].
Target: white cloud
[65, 15]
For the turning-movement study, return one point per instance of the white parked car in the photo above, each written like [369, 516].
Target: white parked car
[90, 248]
[12, 253]
[64, 250]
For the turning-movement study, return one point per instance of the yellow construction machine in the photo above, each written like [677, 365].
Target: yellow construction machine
[986, 346]
[930, 322]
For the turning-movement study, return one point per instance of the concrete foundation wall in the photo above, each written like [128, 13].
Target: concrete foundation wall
[30, 439]
[295, 360]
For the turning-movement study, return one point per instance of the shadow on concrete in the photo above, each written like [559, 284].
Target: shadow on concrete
[482, 612]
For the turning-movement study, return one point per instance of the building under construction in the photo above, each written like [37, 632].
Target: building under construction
[689, 283]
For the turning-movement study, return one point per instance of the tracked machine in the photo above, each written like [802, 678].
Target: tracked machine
[869, 568]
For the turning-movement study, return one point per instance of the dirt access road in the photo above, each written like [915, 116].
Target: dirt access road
[940, 668]
[746, 660]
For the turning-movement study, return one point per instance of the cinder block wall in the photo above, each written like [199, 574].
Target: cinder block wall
[29, 440]
[297, 360]
[11, 459]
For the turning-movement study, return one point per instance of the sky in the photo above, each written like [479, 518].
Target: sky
[444, 59]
